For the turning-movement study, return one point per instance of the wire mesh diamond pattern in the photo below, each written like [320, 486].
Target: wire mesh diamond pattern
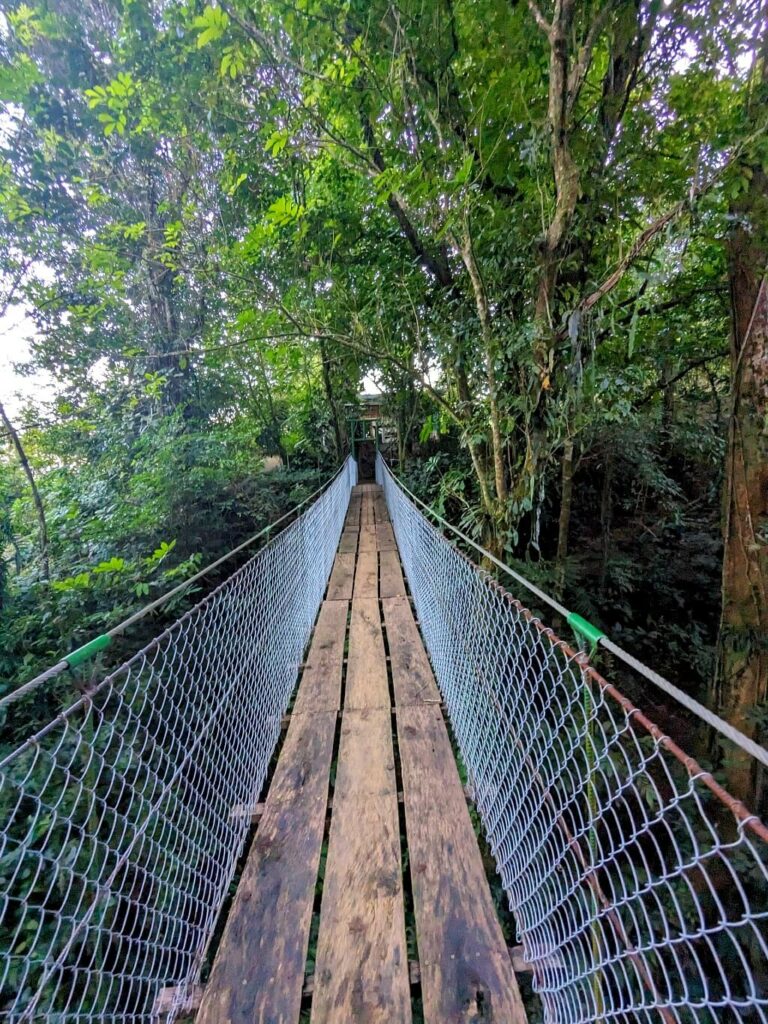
[639, 887]
[121, 833]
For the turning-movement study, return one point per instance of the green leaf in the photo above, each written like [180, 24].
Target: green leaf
[213, 23]
[284, 211]
[276, 142]
[113, 565]
[236, 185]
[463, 174]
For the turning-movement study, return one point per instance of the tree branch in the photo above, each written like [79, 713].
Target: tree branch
[539, 18]
[663, 385]
[647, 236]
[38, 501]
[578, 72]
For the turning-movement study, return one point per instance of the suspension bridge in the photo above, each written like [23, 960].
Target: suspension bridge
[260, 817]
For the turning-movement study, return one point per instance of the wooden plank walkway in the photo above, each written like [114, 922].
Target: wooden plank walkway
[360, 728]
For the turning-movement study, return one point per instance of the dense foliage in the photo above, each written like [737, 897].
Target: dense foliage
[523, 220]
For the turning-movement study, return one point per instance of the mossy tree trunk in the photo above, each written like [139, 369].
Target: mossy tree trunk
[742, 656]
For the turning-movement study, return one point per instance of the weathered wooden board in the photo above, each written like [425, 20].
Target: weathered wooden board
[258, 974]
[366, 511]
[361, 971]
[348, 542]
[367, 538]
[380, 511]
[367, 575]
[320, 688]
[391, 583]
[385, 537]
[352, 520]
[367, 684]
[411, 672]
[466, 973]
[342, 577]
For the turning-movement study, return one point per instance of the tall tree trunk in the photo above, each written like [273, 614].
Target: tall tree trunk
[667, 406]
[400, 443]
[742, 655]
[564, 524]
[566, 178]
[162, 305]
[490, 357]
[38, 501]
[466, 403]
[339, 433]
[274, 421]
[606, 515]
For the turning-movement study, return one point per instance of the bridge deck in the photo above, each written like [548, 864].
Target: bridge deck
[366, 823]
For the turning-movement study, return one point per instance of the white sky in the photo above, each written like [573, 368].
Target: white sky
[16, 390]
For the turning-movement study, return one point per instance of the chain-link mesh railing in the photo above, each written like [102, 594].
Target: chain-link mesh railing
[124, 817]
[639, 887]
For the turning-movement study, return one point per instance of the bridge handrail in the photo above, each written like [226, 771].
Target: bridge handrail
[639, 886]
[596, 637]
[99, 643]
[123, 818]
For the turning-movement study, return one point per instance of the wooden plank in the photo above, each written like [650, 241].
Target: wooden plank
[348, 543]
[367, 539]
[352, 520]
[466, 972]
[166, 1001]
[391, 582]
[366, 512]
[411, 672]
[385, 537]
[367, 575]
[367, 684]
[361, 971]
[342, 577]
[320, 688]
[258, 974]
[380, 509]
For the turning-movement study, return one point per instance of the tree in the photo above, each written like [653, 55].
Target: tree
[512, 179]
[39, 508]
[742, 667]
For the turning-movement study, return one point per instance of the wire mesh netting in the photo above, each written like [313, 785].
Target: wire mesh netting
[639, 888]
[123, 818]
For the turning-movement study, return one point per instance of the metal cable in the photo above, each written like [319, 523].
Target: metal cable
[700, 710]
[639, 887]
[121, 627]
[124, 817]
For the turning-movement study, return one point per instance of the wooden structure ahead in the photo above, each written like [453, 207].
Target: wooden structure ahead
[336, 835]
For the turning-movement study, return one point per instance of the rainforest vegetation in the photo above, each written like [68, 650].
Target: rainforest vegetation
[540, 227]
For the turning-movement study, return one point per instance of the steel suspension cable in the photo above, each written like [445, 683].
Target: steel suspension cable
[597, 637]
[102, 641]
[125, 815]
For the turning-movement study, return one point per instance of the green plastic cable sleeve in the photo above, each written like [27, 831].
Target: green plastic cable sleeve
[585, 629]
[88, 650]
